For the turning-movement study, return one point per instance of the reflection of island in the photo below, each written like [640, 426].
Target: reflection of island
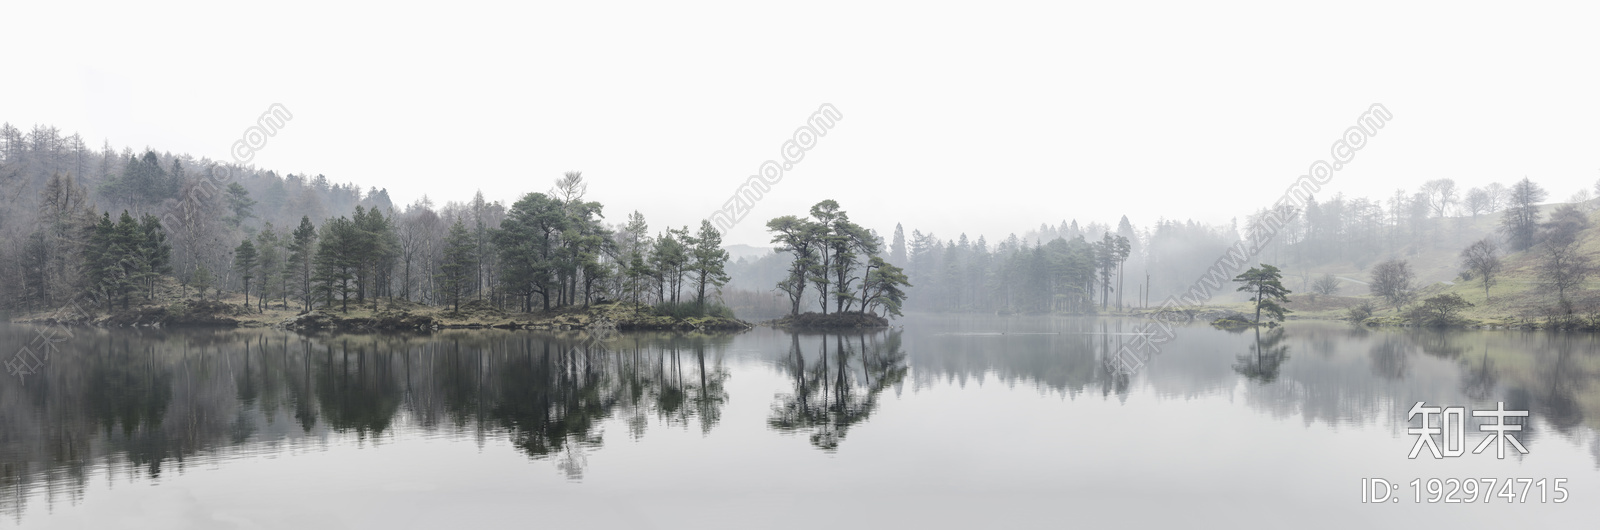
[144, 403]
[835, 389]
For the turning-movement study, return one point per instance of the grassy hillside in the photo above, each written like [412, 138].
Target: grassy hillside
[1516, 299]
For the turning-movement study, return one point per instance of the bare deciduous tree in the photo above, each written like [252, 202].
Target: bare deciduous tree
[1391, 280]
[1327, 285]
[1482, 259]
[1564, 266]
[1440, 195]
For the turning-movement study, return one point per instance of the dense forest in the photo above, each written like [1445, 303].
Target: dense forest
[115, 229]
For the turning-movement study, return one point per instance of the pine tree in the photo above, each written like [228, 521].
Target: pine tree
[884, 287]
[153, 255]
[375, 249]
[244, 260]
[709, 260]
[100, 259]
[240, 203]
[334, 266]
[201, 280]
[125, 241]
[850, 242]
[795, 236]
[1266, 291]
[667, 259]
[457, 270]
[897, 247]
[302, 253]
[269, 247]
[528, 241]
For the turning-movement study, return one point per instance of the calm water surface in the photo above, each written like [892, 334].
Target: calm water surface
[948, 422]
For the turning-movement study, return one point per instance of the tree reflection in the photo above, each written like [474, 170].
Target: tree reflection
[838, 388]
[132, 390]
[144, 401]
[1559, 401]
[1478, 381]
[140, 405]
[547, 398]
[1389, 358]
[1440, 343]
[1266, 357]
[356, 389]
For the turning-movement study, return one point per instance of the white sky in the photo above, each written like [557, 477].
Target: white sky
[987, 119]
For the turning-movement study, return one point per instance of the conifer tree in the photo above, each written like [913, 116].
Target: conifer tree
[1266, 290]
[244, 260]
[458, 269]
[302, 254]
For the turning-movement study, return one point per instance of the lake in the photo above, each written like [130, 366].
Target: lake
[942, 422]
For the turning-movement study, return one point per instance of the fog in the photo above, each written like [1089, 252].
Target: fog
[985, 121]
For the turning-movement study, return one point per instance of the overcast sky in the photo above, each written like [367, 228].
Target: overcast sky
[987, 119]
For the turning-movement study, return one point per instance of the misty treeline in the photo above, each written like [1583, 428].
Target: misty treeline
[191, 212]
[1051, 269]
[1068, 267]
[151, 404]
[306, 243]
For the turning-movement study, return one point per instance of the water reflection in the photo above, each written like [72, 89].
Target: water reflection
[833, 391]
[1266, 357]
[137, 404]
[1350, 376]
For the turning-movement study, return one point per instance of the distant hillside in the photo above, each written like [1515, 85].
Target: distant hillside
[1433, 261]
[1517, 295]
[746, 251]
[1518, 292]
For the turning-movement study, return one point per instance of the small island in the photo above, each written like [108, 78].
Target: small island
[830, 254]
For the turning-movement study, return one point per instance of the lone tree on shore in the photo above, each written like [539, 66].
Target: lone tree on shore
[1265, 282]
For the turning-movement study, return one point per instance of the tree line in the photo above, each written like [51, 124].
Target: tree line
[215, 227]
[1076, 268]
[57, 186]
[548, 250]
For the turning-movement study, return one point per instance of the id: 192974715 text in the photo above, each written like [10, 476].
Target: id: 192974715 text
[1465, 490]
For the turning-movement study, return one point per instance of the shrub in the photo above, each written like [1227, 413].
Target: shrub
[1360, 312]
[1441, 310]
